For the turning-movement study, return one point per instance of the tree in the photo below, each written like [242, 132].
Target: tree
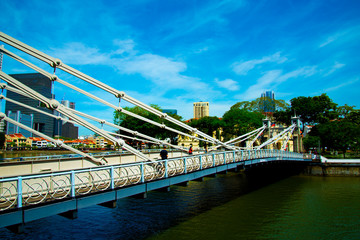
[261, 105]
[237, 122]
[354, 117]
[207, 125]
[283, 116]
[345, 111]
[312, 110]
[146, 128]
[338, 135]
[2, 140]
[311, 142]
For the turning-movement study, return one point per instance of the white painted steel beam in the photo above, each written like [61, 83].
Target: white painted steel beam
[55, 105]
[56, 63]
[53, 77]
[57, 142]
[277, 137]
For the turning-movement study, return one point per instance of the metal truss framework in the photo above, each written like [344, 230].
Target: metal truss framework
[75, 115]
[55, 105]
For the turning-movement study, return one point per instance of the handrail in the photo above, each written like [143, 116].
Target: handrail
[17, 192]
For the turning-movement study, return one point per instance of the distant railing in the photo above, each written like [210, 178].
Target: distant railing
[21, 191]
[72, 155]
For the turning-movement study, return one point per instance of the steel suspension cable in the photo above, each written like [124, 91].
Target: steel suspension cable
[54, 62]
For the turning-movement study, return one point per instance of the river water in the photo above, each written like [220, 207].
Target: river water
[231, 206]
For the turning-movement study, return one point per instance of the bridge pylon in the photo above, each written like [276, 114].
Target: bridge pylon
[267, 122]
[297, 137]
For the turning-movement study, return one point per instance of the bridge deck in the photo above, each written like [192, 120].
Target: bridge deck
[27, 198]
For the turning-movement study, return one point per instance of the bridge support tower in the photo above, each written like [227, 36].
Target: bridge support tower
[297, 138]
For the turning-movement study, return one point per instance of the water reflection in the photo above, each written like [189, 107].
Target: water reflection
[232, 206]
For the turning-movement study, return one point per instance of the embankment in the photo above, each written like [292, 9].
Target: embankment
[334, 167]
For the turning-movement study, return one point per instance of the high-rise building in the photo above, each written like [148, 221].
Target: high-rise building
[65, 128]
[201, 109]
[41, 84]
[268, 103]
[171, 111]
[27, 120]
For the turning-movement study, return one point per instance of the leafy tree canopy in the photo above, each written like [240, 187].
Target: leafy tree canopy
[311, 110]
[2, 139]
[141, 126]
[317, 109]
[261, 105]
[237, 122]
[338, 135]
[206, 124]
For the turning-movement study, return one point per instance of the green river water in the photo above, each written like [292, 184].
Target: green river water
[299, 207]
[230, 206]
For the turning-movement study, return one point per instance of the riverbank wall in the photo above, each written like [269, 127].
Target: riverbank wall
[334, 167]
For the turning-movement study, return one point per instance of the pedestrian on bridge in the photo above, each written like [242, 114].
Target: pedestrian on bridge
[164, 153]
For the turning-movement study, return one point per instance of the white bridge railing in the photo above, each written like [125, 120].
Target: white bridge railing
[21, 191]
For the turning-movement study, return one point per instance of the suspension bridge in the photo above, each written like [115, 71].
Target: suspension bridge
[35, 189]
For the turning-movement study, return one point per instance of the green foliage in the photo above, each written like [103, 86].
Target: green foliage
[311, 142]
[283, 116]
[345, 111]
[2, 139]
[354, 117]
[338, 135]
[206, 124]
[237, 122]
[312, 110]
[259, 104]
[143, 127]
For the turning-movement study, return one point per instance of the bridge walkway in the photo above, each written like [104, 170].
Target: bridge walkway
[27, 198]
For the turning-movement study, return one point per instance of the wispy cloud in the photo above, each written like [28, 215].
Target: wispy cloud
[271, 79]
[164, 72]
[348, 34]
[211, 12]
[263, 83]
[124, 47]
[341, 85]
[228, 84]
[79, 54]
[335, 67]
[242, 68]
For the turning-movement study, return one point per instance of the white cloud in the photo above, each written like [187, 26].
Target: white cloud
[335, 67]
[341, 85]
[271, 79]
[242, 68]
[207, 13]
[264, 82]
[164, 72]
[79, 54]
[228, 84]
[124, 46]
[349, 34]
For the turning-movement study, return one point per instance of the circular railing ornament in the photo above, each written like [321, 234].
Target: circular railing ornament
[35, 192]
[7, 199]
[61, 187]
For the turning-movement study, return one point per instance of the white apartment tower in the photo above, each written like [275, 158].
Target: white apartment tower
[201, 109]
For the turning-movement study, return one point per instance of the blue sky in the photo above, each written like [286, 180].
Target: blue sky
[173, 53]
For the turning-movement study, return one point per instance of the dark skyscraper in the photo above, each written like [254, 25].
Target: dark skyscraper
[268, 103]
[42, 85]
